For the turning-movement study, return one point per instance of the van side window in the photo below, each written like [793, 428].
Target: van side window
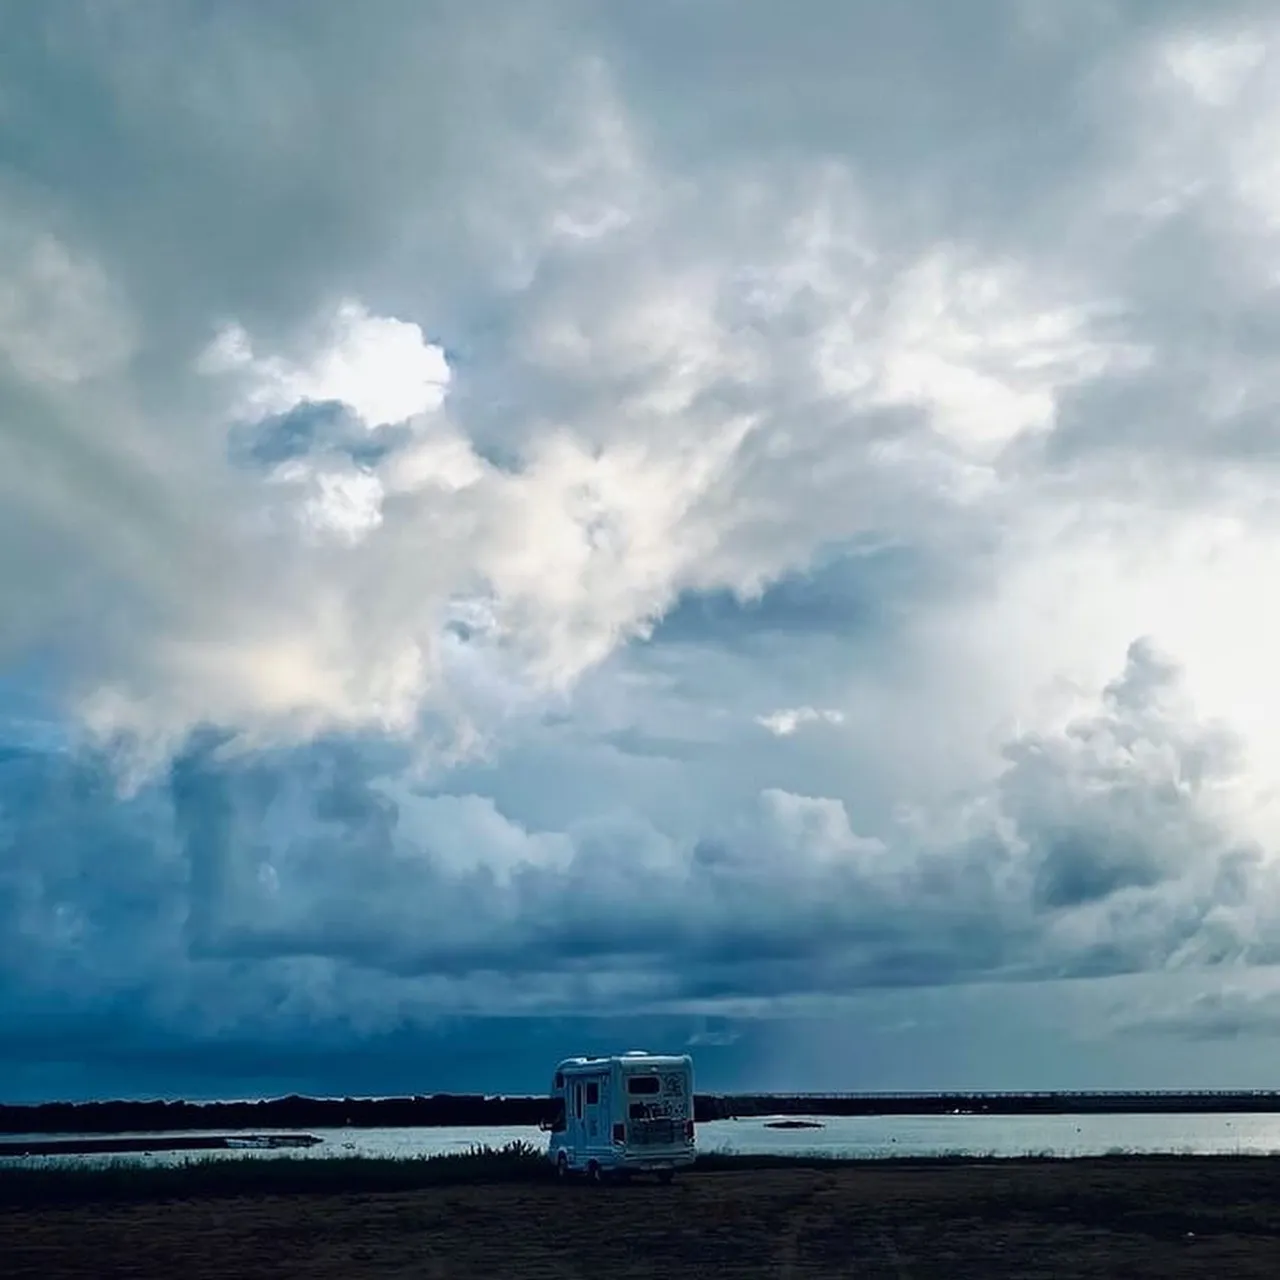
[559, 1081]
[593, 1093]
[644, 1084]
[577, 1101]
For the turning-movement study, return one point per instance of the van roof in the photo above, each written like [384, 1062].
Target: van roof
[632, 1059]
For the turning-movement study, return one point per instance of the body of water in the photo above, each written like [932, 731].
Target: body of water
[861, 1136]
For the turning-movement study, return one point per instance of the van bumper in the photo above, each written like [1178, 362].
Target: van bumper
[653, 1161]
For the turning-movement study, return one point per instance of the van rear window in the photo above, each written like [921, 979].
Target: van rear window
[644, 1084]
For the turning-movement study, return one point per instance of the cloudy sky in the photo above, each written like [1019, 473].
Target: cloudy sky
[541, 527]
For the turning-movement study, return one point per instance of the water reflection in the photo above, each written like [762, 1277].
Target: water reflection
[859, 1136]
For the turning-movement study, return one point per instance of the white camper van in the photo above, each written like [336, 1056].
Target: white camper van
[629, 1113]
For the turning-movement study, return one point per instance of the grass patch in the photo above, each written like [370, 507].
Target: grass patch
[124, 1179]
[65, 1183]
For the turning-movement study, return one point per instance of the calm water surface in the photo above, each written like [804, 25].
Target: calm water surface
[867, 1136]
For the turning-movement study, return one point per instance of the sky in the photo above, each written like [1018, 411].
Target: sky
[561, 526]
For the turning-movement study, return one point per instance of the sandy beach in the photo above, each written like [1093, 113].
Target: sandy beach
[1132, 1217]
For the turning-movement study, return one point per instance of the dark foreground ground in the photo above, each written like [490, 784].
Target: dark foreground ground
[1125, 1217]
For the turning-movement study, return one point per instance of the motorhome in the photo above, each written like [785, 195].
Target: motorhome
[629, 1113]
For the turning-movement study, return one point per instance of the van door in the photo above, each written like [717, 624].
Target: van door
[606, 1113]
[576, 1125]
[596, 1118]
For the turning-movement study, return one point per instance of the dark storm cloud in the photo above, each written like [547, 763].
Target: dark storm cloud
[310, 428]
[851, 595]
[289, 894]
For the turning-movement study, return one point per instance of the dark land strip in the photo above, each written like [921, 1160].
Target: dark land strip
[301, 1113]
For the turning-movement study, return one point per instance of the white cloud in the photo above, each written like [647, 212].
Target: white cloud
[1215, 68]
[348, 504]
[656, 394]
[973, 344]
[783, 723]
[381, 367]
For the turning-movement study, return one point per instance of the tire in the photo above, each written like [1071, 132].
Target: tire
[594, 1174]
[665, 1176]
[562, 1167]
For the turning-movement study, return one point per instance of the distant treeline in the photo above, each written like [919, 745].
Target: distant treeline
[476, 1109]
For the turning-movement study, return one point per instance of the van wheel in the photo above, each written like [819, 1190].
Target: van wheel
[665, 1176]
[594, 1174]
[562, 1167]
